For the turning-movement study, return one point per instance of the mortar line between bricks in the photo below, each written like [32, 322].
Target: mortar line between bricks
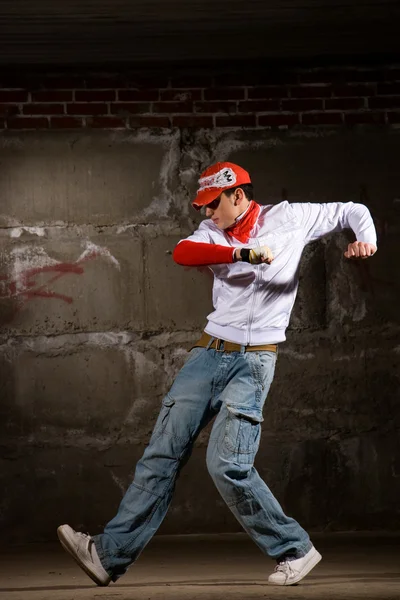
[82, 225]
[92, 337]
[149, 334]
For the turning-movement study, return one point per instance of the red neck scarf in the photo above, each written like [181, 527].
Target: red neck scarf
[242, 228]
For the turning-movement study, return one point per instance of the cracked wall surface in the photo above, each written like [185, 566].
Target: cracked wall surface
[96, 320]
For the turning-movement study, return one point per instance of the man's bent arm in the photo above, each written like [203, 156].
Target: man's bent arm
[319, 220]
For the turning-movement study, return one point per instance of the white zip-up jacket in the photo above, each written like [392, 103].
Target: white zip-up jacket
[252, 303]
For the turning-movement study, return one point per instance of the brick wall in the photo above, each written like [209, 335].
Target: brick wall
[95, 316]
[285, 99]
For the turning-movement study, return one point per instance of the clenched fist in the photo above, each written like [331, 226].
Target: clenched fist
[261, 255]
[360, 250]
[255, 256]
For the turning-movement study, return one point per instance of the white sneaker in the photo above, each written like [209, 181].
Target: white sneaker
[82, 549]
[289, 572]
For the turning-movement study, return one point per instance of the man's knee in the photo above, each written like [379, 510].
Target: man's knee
[223, 468]
[211, 459]
[172, 432]
[229, 477]
[220, 467]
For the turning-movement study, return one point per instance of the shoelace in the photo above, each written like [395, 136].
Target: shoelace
[285, 567]
[90, 549]
[85, 538]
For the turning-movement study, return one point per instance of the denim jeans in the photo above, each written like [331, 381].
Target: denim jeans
[232, 386]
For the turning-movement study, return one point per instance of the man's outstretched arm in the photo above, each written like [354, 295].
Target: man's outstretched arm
[199, 254]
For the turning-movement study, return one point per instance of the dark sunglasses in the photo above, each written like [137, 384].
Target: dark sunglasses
[213, 205]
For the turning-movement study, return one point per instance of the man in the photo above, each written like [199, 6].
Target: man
[254, 252]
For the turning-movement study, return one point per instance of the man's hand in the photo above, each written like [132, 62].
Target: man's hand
[262, 255]
[360, 250]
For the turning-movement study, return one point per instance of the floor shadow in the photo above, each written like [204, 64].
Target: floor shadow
[316, 580]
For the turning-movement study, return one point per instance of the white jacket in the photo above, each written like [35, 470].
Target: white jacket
[252, 303]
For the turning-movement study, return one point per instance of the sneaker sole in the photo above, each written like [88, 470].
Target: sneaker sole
[68, 545]
[314, 560]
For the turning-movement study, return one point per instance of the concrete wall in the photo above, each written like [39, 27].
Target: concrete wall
[96, 319]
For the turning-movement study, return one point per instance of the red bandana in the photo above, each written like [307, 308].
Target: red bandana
[241, 229]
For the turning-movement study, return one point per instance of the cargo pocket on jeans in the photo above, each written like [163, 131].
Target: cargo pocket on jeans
[163, 416]
[243, 432]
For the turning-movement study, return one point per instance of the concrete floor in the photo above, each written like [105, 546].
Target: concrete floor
[209, 567]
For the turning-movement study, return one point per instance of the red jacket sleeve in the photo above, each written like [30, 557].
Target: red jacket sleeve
[197, 254]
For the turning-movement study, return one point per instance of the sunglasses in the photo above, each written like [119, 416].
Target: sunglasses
[213, 205]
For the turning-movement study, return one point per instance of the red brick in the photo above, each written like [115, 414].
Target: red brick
[106, 82]
[129, 108]
[278, 120]
[281, 77]
[52, 96]
[9, 110]
[144, 80]
[389, 89]
[216, 107]
[393, 117]
[224, 94]
[322, 119]
[13, 96]
[95, 96]
[61, 82]
[236, 121]
[28, 123]
[106, 122]
[180, 95]
[354, 90]
[173, 107]
[267, 92]
[12, 80]
[194, 122]
[367, 75]
[87, 109]
[311, 91]
[344, 103]
[126, 81]
[135, 122]
[259, 105]
[43, 109]
[323, 76]
[236, 79]
[392, 74]
[191, 81]
[341, 76]
[261, 77]
[65, 123]
[138, 95]
[364, 117]
[302, 105]
[384, 102]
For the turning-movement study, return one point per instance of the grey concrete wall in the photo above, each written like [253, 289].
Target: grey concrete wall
[96, 319]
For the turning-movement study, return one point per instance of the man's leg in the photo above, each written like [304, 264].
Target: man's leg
[185, 411]
[231, 452]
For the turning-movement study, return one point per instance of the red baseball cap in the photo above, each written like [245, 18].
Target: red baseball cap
[217, 178]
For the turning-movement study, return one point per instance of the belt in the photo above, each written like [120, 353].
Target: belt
[224, 346]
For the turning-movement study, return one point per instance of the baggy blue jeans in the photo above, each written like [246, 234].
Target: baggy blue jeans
[233, 386]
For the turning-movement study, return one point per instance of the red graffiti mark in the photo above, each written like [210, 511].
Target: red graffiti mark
[44, 294]
[25, 287]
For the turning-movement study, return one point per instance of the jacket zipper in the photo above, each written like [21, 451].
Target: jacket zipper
[251, 313]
